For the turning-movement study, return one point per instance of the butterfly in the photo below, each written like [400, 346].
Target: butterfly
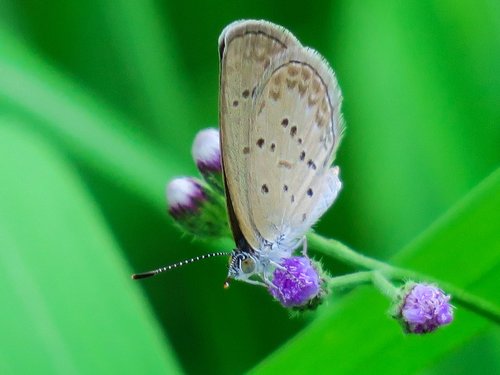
[280, 127]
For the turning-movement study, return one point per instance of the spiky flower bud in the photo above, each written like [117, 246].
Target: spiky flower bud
[196, 208]
[423, 308]
[207, 156]
[297, 284]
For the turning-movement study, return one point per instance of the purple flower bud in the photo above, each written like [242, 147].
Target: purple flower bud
[297, 283]
[206, 151]
[207, 155]
[424, 308]
[196, 208]
[184, 196]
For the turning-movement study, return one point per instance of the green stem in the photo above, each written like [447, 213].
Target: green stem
[340, 251]
[346, 255]
[384, 285]
[350, 281]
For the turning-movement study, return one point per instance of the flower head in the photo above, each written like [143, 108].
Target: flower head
[196, 208]
[185, 195]
[297, 284]
[207, 156]
[424, 308]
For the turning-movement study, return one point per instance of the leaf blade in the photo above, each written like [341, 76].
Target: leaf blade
[65, 290]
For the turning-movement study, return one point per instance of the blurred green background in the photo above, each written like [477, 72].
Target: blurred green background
[99, 104]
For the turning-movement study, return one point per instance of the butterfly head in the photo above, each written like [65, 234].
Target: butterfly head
[242, 265]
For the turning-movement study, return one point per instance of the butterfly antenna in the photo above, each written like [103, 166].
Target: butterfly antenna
[143, 275]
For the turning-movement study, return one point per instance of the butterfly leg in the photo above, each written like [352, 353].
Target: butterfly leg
[269, 282]
[303, 243]
[273, 286]
[266, 284]
[255, 282]
[277, 265]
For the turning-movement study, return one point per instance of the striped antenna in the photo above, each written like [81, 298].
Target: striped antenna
[143, 275]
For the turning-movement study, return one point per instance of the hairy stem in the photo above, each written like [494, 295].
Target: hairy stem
[384, 285]
[351, 280]
[346, 255]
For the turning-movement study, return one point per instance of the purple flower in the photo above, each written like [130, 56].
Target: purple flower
[424, 308]
[297, 283]
[185, 195]
[206, 151]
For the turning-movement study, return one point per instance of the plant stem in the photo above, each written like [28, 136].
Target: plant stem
[351, 280]
[343, 253]
[346, 255]
[384, 285]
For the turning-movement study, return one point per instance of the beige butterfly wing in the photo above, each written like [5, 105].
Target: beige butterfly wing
[247, 49]
[296, 130]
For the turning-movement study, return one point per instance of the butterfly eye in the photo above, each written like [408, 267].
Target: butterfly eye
[248, 265]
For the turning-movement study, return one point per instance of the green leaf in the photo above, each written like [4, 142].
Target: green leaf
[69, 305]
[122, 51]
[155, 75]
[349, 338]
[82, 125]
